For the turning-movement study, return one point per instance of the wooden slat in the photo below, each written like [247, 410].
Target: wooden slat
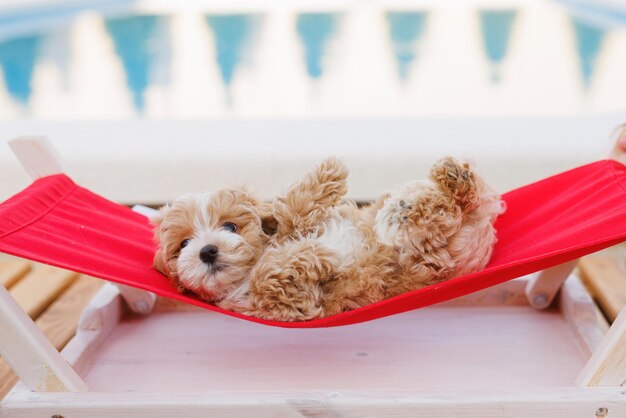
[580, 313]
[12, 269]
[58, 322]
[607, 365]
[39, 288]
[607, 283]
[97, 321]
[505, 403]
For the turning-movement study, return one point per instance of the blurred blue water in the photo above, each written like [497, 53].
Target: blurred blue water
[405, 30]
[315, 31]
[232, 36]
[17, 59]
[142, 45]
[132, 39]
[496, 27]
[589, 39]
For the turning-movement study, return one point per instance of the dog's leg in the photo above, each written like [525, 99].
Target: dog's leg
[305, 204]
[457, 180]
[421, 221]
[423, 240]
[286, 282]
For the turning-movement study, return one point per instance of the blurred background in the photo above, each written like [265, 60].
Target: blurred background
[149, 99]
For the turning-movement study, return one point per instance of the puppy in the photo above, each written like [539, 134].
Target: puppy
[309, 255]
[208, 243]
[328, 257]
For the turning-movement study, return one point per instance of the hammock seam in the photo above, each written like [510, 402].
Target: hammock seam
[618, 179]
[41, 215]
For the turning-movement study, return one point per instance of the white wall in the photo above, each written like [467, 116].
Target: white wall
[155, 161]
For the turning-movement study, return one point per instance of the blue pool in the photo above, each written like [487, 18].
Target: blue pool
[121, 60]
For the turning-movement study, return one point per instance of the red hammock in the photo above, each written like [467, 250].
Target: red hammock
[550, 222]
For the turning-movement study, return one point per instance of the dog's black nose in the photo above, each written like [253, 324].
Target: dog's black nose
[208, 253]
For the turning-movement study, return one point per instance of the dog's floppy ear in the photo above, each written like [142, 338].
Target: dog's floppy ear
[268, 221]
[456, 179]
[160, 263]
[265, 210]
[156, 219]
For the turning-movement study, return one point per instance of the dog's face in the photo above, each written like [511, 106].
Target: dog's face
[208, 243]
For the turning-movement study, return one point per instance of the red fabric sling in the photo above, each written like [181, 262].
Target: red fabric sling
[549, 222]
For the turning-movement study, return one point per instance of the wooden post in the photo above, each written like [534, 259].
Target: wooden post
[37, 155]
[39, 158]
[30, 354]
[607, 365]
[542, 289]
[582, 315]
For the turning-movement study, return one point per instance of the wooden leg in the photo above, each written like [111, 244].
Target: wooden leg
[37, 155]
[542, 289]
[607, 365]
[29, 353]
[39, 158]
[582, 315]
[58, 323]
[139, 301]
[607, 283]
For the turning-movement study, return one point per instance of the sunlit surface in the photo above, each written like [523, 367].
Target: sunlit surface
[423, 58]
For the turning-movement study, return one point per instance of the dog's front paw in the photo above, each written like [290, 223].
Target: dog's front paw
[283, 295]
[287, 281]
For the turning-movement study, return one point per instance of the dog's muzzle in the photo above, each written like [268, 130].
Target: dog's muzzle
[208, 254]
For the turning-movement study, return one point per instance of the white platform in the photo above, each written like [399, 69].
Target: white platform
[459, 349]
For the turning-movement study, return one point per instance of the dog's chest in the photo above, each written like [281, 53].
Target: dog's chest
[341, 235]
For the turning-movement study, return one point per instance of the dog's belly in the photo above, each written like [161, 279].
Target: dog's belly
[342, 236]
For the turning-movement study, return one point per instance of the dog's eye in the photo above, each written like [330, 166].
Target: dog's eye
[229, 226]
[184, 243]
